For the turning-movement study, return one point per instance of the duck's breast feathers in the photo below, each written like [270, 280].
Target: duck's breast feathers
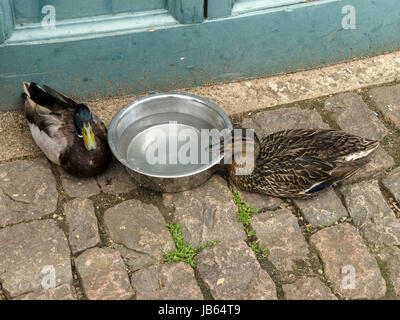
[81, 163]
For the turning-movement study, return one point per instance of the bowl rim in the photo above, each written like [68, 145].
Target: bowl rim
[115, 120]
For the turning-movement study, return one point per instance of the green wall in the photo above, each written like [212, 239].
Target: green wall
[175, 47]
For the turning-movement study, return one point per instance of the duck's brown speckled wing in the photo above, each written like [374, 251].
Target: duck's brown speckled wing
[294, 177]
[323, 144]
[300, 163]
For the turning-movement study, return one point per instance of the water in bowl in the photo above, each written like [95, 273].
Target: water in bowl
[168, 148]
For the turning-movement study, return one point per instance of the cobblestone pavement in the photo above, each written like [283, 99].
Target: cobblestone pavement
[106, 238]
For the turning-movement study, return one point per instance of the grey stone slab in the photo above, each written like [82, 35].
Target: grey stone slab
[172, 281]
[353, 116]
[115, 180]
[231, 271]
[23, 199]
[379, 161]
[387, 100]
[207, 213]
[29, 252]
[140, 232]
[261, 202]
[82, 223]
[279, 232]
[78, 187]
[103, 275]
[371, 214]
[348, 265]
[62, 292]
[322, 210]
[391, 257]
[267, 122]
[392, 183]
[308, 289]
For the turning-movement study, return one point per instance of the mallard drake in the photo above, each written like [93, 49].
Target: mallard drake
[293, 163]
[67, 132]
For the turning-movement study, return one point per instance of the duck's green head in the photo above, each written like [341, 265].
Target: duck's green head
[83, 121]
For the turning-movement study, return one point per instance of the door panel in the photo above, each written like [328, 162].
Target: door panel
[26, 11]
[135, 5]
[225, 8]
[29, 11]
[249, 4]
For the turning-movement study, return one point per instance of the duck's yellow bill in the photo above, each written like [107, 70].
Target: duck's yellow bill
[88, 137]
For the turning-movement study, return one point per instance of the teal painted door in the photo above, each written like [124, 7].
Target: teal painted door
[93, 48]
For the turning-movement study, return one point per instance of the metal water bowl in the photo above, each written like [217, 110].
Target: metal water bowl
[146, 136]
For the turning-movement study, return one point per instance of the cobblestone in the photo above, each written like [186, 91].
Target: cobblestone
[323, 210]
[391, 257]
[173, 281]
[139, 231]
[353, 116]
[260, 202]
[78, 188]
[82, 224]
[231, 271]
[348, 265]
[115, 180]
[392, 183]
[371, 214]
[207, 213]
[279, 232]
[308, 289]
[62, 292]
[103, 275]
[267, 122]
[32, 255]
[23, 199]
[387, 100]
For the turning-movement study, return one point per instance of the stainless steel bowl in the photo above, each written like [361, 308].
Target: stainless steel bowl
[136, 127]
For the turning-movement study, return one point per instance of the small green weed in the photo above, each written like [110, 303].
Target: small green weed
[245, 213]
[244, 216]
[183, 252]
[259, 250]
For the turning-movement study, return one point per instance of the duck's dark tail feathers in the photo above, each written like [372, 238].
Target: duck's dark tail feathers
[39, 95]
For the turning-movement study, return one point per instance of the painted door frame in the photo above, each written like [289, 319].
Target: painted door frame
[180, 47]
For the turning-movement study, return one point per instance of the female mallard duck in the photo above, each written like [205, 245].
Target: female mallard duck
[68, 134]
[293, 163]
